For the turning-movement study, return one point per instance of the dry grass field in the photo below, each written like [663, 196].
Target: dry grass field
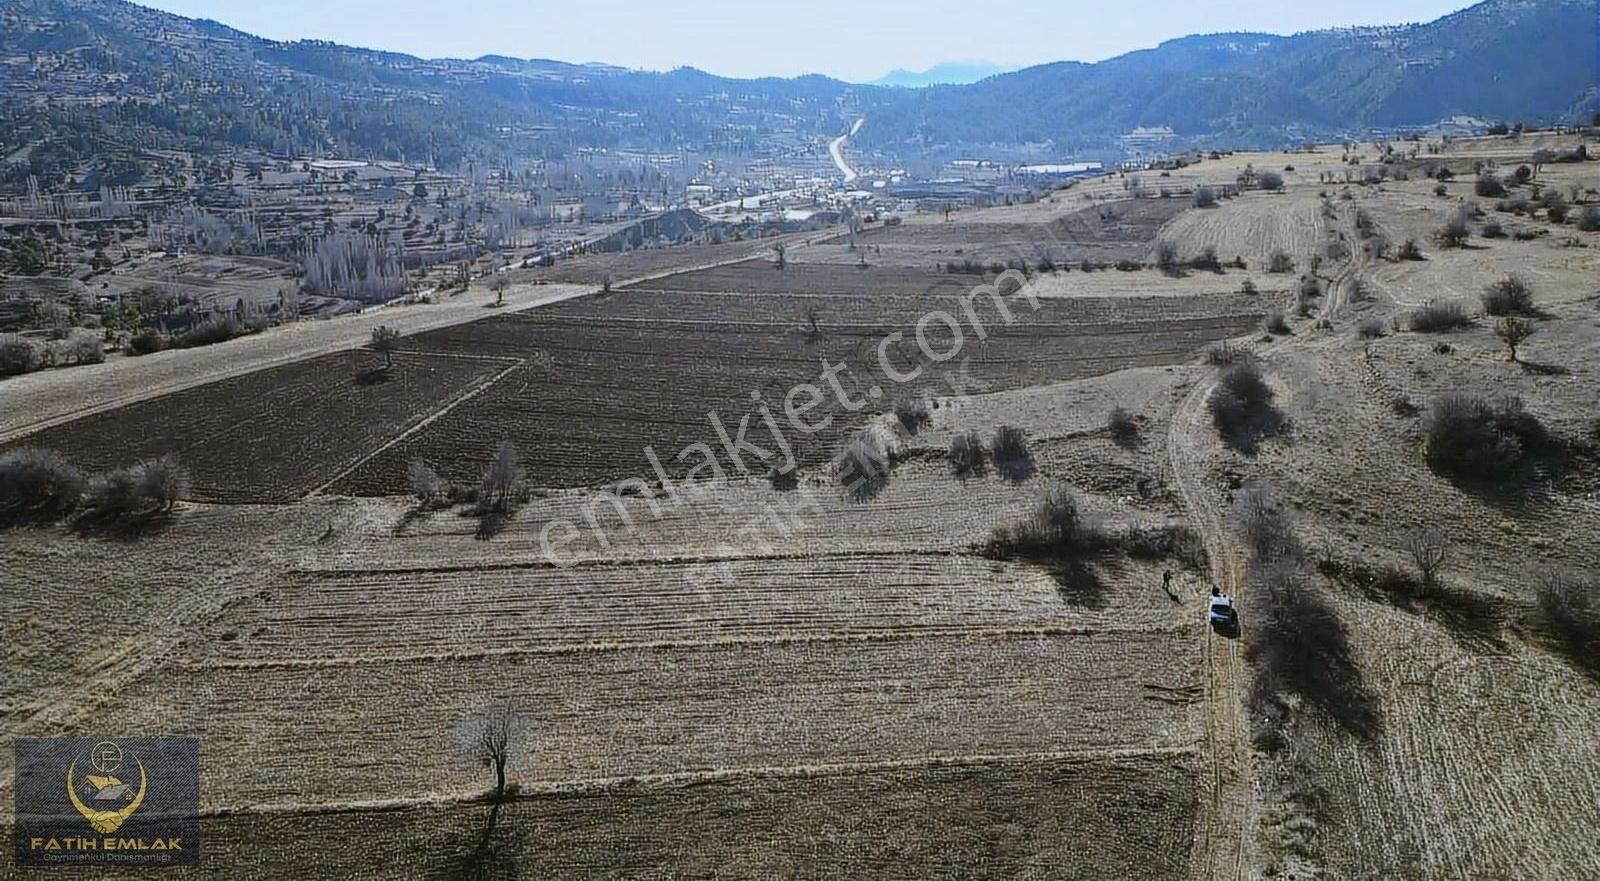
[748, 680]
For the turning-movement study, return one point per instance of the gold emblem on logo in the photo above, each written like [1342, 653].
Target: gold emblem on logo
[105, 790]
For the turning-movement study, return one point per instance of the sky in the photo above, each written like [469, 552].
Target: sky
[854, 40]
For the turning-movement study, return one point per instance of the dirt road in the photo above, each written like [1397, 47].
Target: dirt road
[1228, 808]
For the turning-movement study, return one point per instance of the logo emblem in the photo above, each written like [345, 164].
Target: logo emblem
[110, 801]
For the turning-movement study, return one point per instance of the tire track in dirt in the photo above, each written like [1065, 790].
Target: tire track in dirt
[1228, 808]
[471, 393]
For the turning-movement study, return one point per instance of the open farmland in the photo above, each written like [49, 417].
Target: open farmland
[728, 678]
[275, 434]
[1107, 233]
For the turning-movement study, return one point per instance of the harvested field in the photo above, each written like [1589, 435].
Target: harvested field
[669, 708]
[1104, 233]
[272, 435]
[1252, 227]
[1015, 817]
[638, 369]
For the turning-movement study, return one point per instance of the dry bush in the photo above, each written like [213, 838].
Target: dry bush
[1010, 453]
[1489, 186]
[1410, 251]
[912, 415]
[1224, 353]
[502, 485]
[1207, 260]
[863, 465]
[1280, 263]
[37, 486]
[1514, 331]
[1124, 428]
[150, 487]
[1589, 220]
[1438, 317]
[1205, 197]
[1167, 258]
[966, 454]
[1370, 328]
[1270, 180]
[1456, 232]
[1242, 404]
[1568, 609]
[1470, 437]
[206, 333]
[1428, 549]
[430, 490]
[1508, 296]
[1493, 230]
[1056, 530]
[1276, 322]
[19, 355]
[146, 343]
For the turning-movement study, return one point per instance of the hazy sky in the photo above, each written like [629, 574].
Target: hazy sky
[849, 39]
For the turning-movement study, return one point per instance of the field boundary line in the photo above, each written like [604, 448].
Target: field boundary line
[678, 780]
[638, 563]
[865, 636]
[468, 395]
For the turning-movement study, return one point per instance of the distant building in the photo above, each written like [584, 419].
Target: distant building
[1148, 140]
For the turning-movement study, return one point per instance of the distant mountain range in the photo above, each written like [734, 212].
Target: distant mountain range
[82, 78]
[952, 73]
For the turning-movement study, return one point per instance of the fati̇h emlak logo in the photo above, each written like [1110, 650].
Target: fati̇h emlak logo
[125, 801]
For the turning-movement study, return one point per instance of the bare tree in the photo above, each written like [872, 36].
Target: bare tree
[1427, 548]
[497, 286]
[385, 341]
[502, 480]
[1514, 331]
[491, 736]
[782, 251]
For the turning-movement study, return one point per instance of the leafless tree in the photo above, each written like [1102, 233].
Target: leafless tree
[1427, 549]
[497, 286]
[502, 480]
[782, 251]
[385, 341]
[490, 737]
[1514, 331]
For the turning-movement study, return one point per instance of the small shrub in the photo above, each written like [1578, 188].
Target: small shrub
[1568, 608]
[1589, 220]
[427, 486]
[1370, 329]
[1441, 190]
[37, 485]
[1205, 197]
[1276, 322]
[1456, 231]
[912, 415]
[1010, 453]
[1493, 230]
[1280, 263]
[1224, 353]
[1124, 428]
[1489, 186]
[1167, 257]
[863, 465]
[1410, 250]
[18, 355]
[1438, 317]
[150, 487]
[1270, 180]
[1242, 404]
[1508, 296]
[208, 333]
[1207, 260]
[966, 454]
[1056, 530]
[146, 343]
[1471, 437]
